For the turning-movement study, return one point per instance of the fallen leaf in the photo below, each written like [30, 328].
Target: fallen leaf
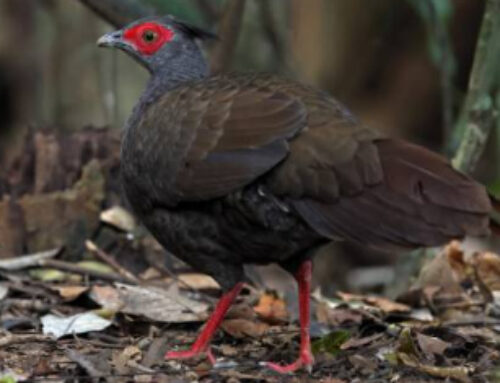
[120, 218]
[431, 344]
[108, 297]
[241, 311]
[96, 266]
[384, 304]
[365, 364]
[76, 324]
[198, 281]
[241, 328]
[4, 291]
[456, 260]
[487, 266]
[460, 373]
[272, 309]
[155, 303]
[70, 293]
[228, 350]
[337, 316]
[48, 275]
[439, 273]
[156, 352]
[120, 359]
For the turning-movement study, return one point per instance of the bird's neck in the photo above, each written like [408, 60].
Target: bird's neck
[186, 67]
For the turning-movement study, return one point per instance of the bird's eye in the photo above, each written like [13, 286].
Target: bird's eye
[149, 36]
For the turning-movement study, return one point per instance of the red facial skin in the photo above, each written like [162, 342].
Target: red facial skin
[148, 37]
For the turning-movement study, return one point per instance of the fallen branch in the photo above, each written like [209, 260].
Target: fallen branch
[108, 259]
[473, 322]
[10, 339]
[25, 261]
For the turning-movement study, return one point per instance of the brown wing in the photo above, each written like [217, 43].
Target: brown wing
[348, 182]
[227, 132]
[420, 201]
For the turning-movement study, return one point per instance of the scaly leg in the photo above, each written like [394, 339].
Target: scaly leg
[305, 359]
[202, 343]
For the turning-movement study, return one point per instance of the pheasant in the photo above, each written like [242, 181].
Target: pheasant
[233, 169]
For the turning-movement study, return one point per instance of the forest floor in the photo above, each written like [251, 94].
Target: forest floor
[95, 321]
[77, 314]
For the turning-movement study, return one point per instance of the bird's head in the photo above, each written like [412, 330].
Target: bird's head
[156, 41]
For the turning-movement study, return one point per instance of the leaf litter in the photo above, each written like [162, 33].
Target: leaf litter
[100, 316]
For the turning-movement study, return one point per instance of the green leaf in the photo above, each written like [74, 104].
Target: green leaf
[7, 379]
[48, 275]
[494, 189]
[331, 343]
[95, 266]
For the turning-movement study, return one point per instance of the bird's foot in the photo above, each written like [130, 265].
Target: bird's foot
[191, 354]
[305, 361]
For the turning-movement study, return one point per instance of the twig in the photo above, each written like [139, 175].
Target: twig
[229, 31]
[479, 113]
[84, 362]
[25, 261]
[27, 304]
[65, 266]
[10, 339]
[119, 12]
[472, 322]
[92, 247]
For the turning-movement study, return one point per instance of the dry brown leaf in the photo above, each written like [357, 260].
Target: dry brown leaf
[456, 259]
[431, 344]
[152, 302]
[241, 311]
[384, 304]
[362, 363]
[228, 350]
[70, 293]
[107, 296]
[460, 373]
[439, 273]
[241, 328]
[198, 281]
[120, 359]
[487, 267]
[337, 316]
[272, 309]
[119, 217]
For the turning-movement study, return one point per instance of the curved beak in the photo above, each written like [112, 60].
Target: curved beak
[112, 39]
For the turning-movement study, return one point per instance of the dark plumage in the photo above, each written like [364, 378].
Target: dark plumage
[233, 169]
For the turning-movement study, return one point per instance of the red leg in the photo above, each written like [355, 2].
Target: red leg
[305, 359]
[202, 343]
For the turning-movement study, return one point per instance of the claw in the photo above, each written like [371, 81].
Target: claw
[305, 361]
[191, 354]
